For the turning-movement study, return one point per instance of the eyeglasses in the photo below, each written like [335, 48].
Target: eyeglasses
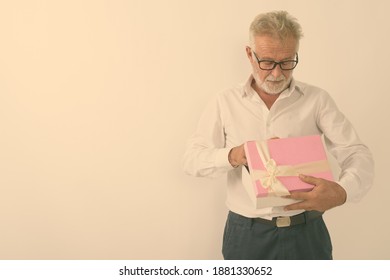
[270, 64]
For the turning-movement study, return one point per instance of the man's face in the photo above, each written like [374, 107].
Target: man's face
[267, 47]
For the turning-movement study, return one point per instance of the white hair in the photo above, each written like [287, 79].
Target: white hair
[278, 24]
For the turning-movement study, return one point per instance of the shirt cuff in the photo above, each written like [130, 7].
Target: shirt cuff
[350, 187]
[221, 159]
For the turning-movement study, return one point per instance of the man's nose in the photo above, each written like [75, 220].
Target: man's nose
[277, 71]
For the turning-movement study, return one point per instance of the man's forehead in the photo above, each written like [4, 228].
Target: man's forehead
[271, 45]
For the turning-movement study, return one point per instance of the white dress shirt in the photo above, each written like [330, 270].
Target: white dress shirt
[238, 115]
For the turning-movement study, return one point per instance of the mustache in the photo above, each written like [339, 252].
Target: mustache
[278, 79]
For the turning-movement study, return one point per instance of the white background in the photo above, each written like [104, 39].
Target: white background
[97, 100]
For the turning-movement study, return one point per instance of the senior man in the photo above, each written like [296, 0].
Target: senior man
[273, 104]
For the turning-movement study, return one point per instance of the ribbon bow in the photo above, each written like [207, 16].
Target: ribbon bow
[269, 179]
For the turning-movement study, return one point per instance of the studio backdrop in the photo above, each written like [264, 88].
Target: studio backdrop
[98, 98]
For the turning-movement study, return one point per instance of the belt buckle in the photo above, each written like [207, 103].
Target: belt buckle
[283, 221]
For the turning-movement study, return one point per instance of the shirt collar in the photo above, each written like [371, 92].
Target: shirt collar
[249, 91]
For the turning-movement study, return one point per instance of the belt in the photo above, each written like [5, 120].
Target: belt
[288, 221]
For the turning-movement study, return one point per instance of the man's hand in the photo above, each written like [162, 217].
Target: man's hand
[325, 195]
[237, 156]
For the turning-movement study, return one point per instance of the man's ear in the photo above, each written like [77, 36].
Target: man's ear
[249, 53]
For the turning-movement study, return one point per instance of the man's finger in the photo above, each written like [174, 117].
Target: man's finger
[309, 179]
[295, 206]
[298, 195]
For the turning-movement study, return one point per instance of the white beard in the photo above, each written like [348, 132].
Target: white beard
[274, 86]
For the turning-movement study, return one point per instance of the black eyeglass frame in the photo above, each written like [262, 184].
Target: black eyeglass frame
[280, 63]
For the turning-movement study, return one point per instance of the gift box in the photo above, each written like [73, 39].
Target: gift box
[274, 166]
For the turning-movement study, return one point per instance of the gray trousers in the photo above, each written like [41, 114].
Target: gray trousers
[245, 239]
